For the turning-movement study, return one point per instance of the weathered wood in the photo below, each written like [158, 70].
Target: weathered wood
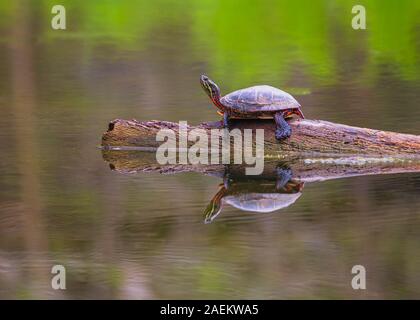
[309, 136]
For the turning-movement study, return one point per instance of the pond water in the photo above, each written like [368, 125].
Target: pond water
[142, 235]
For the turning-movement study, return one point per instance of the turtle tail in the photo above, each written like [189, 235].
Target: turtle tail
[215, 206]
[299, 113]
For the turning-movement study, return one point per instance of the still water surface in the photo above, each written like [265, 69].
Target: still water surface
[142, 235]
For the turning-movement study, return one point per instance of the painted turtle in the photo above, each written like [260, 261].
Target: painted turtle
[258, 102]
[255, 195]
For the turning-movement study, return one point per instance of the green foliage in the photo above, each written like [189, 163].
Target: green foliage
[247, 41]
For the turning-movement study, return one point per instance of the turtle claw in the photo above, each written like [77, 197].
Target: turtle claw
[283, 133]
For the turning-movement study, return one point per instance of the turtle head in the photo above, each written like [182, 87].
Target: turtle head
[215, 206]
[212, 211]
[210, 87]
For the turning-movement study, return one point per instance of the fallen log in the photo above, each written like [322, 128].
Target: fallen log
[309, 136]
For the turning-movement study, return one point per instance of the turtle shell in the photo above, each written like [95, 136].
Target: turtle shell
[262, 202]
[259, 99]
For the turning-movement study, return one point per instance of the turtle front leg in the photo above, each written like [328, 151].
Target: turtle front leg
[226, 120]
[283, 129]
[226, 178]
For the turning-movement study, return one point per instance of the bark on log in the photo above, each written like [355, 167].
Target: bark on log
[308, 136]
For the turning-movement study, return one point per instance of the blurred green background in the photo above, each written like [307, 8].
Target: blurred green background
[141, 236]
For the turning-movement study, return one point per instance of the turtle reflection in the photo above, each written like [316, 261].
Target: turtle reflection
[255, 194]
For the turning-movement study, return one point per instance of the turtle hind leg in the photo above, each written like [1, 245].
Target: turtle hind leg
[283, 129]
[299, 113]
[283, 177]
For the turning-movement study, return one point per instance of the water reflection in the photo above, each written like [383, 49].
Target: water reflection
[251, 193]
